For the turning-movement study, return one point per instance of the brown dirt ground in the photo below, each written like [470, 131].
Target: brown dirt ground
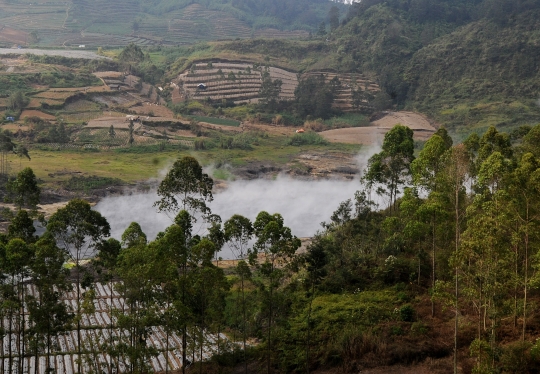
[106, 122]
[157, 110]
[108, 74]
[374, 134]
[36, 113]
[13, 36]
[13, 127]
[271, 129]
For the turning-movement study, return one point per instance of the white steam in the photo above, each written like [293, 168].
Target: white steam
[303, 204]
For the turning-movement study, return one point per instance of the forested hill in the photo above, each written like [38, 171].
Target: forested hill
[469, 64]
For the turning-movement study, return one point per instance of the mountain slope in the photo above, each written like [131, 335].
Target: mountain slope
[480, 75]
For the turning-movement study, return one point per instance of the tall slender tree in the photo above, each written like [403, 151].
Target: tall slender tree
[238, 233]
[391, 167]
[78, 229]
[276, 244]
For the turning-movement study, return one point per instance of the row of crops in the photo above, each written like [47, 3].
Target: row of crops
[240, 82]
[98, 332]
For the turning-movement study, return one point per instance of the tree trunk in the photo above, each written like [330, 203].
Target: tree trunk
[526, 274]
[23, 329]
[244, 321]
[456, 277]
[433, 264]
[269, 345]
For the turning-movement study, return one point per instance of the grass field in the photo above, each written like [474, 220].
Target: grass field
[215, 121]
[56, 167]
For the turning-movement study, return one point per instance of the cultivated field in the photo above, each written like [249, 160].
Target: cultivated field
[98, 328]
[374, 134]
[241, 83]
[11, 35]
[53, 52]
[349, 82]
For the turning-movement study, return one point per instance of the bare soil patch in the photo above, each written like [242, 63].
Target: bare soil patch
[422, 127]
[37, 113]
[155, 110]
[13, 36]
[108, 74]
[323, 165]
[106, 122]
[271, 129]
[355, 135]
[415, 121]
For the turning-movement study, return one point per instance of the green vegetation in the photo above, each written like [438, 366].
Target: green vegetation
[82, 183]
[306, 138]
[215, 121]
[379, 285]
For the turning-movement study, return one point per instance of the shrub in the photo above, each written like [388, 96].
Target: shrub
[406, 313]
[311, 138]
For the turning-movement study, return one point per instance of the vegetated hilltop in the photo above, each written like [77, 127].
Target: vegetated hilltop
[467, 64]
[117, 23]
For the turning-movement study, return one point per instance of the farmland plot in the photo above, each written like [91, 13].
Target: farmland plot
[239, 82]
[99, 330]
[349, 82]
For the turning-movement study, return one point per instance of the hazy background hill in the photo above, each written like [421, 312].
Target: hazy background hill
[116, 23]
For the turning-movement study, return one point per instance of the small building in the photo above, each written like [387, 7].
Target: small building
[201, 86]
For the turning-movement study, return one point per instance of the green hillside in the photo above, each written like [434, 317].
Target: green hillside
[467, 64]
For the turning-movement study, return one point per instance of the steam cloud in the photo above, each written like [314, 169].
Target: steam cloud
[303, 204]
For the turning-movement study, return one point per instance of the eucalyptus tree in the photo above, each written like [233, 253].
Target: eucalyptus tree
[48, 313]
[141, 272]
[22, 227]
[24, 190]
[524, 192]
[276, 245]
[487, 255]
[3, 288]
[105, 264]
[391, 167]
[238, 233]
[185, 187]
[208, 288]
[18, 255]
[133, 236]
[425, 169]
[78, 229]
[175, 250]
[456, 171]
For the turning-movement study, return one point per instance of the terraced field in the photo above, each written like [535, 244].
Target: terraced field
[95, 23]
[98, 328]
[349, 82]
[239, 82]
